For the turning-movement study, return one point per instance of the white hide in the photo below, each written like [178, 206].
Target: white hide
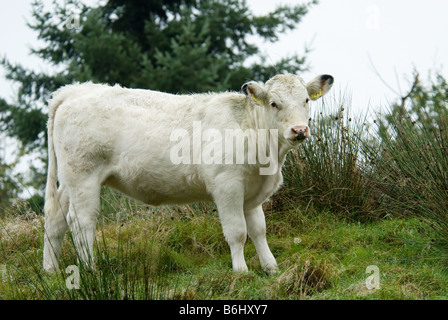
[102, 135]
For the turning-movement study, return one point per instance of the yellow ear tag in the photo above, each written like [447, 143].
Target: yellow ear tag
[316, 95]
[256, 99]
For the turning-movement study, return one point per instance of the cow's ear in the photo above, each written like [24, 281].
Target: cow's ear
[254, 91]
[319, 86]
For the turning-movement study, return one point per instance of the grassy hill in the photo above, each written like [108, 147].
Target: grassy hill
[180, 253]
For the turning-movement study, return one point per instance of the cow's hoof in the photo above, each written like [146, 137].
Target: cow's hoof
[241, 269]
[271, 269]
[50, 267]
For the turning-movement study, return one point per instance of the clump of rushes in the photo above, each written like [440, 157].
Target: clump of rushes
[412, 168]
[329, 171]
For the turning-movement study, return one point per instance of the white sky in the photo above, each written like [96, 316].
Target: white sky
[398, 35]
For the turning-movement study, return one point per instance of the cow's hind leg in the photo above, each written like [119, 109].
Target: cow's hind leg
[82, 219]
[55, 229]
[256, 227]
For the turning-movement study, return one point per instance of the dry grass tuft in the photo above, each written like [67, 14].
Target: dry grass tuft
[301, 281]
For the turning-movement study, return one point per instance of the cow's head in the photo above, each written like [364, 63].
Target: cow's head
[287, 97]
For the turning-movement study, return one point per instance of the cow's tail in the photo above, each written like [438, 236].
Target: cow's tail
[51, 199]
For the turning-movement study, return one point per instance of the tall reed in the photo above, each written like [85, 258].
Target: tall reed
[412, 168]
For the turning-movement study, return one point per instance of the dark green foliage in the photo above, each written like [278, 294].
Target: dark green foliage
[8, 185]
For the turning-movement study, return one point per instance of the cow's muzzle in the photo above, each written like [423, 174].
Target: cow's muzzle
[300, 133]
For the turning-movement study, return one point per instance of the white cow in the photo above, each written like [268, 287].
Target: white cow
[103, 135]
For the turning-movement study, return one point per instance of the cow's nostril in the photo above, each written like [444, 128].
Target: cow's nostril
[300, 133]
[300, 136]
[298, 130]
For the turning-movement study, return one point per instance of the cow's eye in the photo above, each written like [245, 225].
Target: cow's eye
[274, 105]
[307, 100]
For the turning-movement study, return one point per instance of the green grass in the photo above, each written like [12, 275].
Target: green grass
[180, 253]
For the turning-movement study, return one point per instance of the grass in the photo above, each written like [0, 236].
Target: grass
[180, 253]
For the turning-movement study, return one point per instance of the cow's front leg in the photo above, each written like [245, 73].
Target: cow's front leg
[256, 226]
[229, 201]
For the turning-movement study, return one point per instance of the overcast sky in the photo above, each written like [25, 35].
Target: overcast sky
[398, 35]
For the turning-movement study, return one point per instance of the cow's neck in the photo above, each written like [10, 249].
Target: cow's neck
[258, 117]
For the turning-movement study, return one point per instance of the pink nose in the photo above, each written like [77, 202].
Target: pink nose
[300, 132]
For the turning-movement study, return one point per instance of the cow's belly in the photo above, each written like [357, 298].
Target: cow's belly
[157, 188]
